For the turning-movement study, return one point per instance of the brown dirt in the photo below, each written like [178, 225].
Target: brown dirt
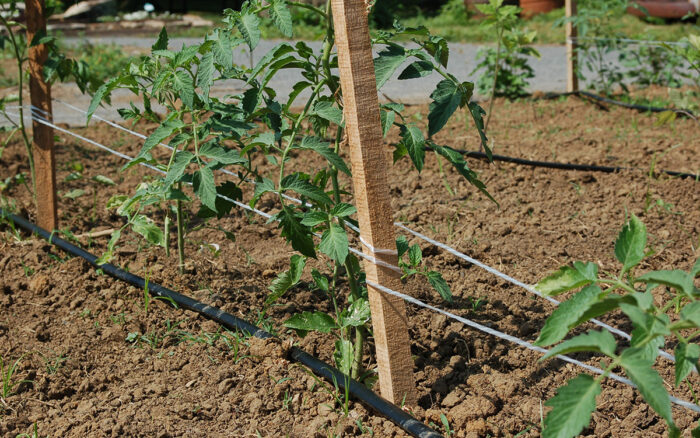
[185, 377]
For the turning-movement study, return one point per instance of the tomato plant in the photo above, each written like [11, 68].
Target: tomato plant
[646, 299]
[57, 67]
[505, 69]
[206, 133]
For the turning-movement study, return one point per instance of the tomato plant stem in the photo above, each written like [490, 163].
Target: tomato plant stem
[166, 234]
[180, 235]
[495, 79]
[19, 59]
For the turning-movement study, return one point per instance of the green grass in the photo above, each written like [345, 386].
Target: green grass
[454, 24]
[105, 61]
[459, 28]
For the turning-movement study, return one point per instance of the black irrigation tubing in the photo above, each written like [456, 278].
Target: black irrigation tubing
[330, 373]
[644, 108]
[569, 166]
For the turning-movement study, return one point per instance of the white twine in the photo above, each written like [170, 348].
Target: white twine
[378, 250]
[384, 289]
[628, 41]
[421, 236]
[519, 341]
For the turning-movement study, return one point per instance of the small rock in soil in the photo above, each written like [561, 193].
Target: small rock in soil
[471, 408]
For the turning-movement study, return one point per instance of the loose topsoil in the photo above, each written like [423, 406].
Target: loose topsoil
[94, 360]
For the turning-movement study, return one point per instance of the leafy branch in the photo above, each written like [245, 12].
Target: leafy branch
[636, 296]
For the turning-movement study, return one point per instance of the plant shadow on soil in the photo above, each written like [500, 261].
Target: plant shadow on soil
[108, 386]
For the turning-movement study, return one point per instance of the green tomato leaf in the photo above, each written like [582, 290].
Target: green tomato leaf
[387, 119]
[305, 188]
[610, 303]
[458, 162]
[107, 256]
[597, 341]
[387, 62]
[221, 154]
[572, 407]
[323, 148]
[205, 187]
[178, 167]
[478, 117]
[184, 87]
[417, 69]
[415, 255]
[73, 194]
[105, 90]
[185, 56]
[165, 130]
[440, 285]
[249, 26]
[438, 49]
[401, 245]
[648, 381]
[262, 186]
[281, 16]
[146, 228]
[343, 355]
[568, 278]
[308, 321]
[221, 48]
[286, 279]
[334, 243]
[343, 210]
[298, 234]
[205, 74]
[320, 280]
[695, 271]
[414, 142]
[356, 315]
[326, 110]
[447, 97]
[104, 180]
[691, 312]
[162, 42]
[687, 356]
[567, 315]
[313, 218]
[677, 279]
[695, 433]
[629, 248]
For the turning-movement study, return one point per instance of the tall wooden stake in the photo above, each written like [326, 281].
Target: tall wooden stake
[40, 93]
[369, 166]
[571, 49]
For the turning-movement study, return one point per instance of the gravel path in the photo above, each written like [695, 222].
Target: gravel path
[550, 75]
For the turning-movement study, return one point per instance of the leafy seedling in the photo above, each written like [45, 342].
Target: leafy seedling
[631, 293]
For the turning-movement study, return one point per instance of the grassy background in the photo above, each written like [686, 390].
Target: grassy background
[454, 23]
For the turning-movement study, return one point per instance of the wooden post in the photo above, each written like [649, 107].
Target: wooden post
[571, 49]
[40, 93]
[369, 165]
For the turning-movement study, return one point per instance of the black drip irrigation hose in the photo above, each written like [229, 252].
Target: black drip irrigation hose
[643, 108]
[328, 372]
[569, 166]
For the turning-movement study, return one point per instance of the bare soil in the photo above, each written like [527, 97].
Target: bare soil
[97, 362]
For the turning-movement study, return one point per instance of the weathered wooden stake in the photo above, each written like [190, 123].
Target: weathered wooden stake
[369, 169]
[40, 93]
[571, 49]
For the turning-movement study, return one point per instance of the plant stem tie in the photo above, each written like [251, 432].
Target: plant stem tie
[374, 260]
[378, 250]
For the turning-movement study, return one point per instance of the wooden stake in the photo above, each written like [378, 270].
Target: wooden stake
[571, 49]
[40, 93]
[369, 165]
